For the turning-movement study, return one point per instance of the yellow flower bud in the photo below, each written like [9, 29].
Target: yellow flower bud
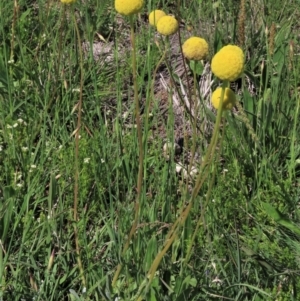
[195, 48]
[128, 7]
[167, 25]
[228, 63]
[229, 99]
[155, 15]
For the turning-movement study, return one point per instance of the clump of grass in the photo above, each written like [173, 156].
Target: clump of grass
[231, 232]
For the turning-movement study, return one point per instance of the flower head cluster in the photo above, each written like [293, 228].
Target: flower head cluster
[128, 7]
[67, 1]
[228, 63]
[167, 25]
[155, 15]
[195, 48]
[229, 99]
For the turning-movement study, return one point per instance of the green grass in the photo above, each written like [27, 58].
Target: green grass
[241, 239]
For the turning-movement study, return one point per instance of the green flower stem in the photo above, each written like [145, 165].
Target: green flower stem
[225, 84]
[203, 173]
[212, 145]
[194, 110]
[180, 45]
[149, 99]
[76, 185]
[141, 152]
[207, 198]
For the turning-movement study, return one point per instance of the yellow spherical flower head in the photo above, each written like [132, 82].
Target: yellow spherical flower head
[155, 15]
[167, 25]
[128, 7]
[195, 48]
[229, 99]
[67, 1]
[228, 63]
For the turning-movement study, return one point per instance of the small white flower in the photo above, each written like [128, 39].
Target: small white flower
[76, 90]
[125, 115]
[1, 148]
[20, 120]
[102, 161]
[32, 167]
[11, 62]
[86, 160]
[19, 185]
[15, 125]
[8, 126]
[60, 147]
[214, 265]
[217, 281]
[24, 149]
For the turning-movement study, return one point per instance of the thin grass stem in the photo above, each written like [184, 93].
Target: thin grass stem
[76, 175]
[140, 145]
[199, 182]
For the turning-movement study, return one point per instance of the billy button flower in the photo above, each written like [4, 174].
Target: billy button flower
[155, 15]
[195, 48]
[167, 25]
[128, 7]
[229, 99]
[228, 63]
